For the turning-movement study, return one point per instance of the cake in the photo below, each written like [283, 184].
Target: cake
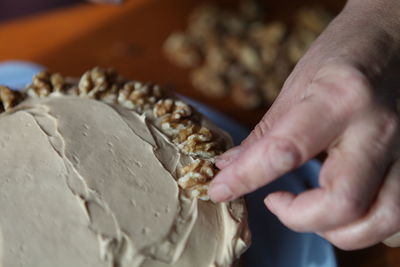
[103, 171]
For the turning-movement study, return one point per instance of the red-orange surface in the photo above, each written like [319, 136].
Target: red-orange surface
[128, 38]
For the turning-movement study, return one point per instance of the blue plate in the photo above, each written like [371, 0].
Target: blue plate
[273, 245]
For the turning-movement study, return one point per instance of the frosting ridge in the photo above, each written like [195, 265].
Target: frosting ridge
[117, 173]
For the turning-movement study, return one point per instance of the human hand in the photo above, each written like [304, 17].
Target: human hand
[331, 103]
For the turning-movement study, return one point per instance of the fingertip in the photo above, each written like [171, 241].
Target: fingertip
[222, 163]
[278, 201]
[228, 157]
[219, 192]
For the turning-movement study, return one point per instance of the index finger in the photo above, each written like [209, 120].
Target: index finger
[302, 133]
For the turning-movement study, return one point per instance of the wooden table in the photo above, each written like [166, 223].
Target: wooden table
[128, 38]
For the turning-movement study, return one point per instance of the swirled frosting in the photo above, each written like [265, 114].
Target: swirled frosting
[85, 183]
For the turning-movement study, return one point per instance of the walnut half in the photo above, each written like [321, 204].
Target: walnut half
[45, 84]
[101, 84]
[138, 96]
[196, 141]
[9, 98]
[196, 177]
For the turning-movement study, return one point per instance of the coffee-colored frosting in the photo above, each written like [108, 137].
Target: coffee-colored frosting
[84, 183]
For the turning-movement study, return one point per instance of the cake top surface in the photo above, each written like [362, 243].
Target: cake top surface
[100, 183]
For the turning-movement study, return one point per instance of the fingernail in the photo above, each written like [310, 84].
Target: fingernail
[267, 202]
[220, 193]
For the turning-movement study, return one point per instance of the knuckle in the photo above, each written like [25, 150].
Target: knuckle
[385, 132]
[346, 87]
[392, 217]
[348, 205]
[285, 154]
[390, 123]
[261, 129]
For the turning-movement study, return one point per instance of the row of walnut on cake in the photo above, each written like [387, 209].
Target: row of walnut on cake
[172, 116]
[242, 52]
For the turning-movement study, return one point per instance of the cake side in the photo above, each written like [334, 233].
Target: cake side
[104, 152]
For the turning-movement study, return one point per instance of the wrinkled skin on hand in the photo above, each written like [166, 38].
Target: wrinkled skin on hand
[331, 102]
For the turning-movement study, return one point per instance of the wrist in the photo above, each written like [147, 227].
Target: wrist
[383, 14]
[368, 35]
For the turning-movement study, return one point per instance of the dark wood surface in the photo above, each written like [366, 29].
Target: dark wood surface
[128, 38]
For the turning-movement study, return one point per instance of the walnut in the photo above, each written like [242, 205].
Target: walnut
[313, 18]
[217, 59]
[231, 40]
[163, 106]
[209, 82]
[100, 83]
[232, 23]
[195, 178]
[268, 34]
[246, 91]
[249, 57]
[176, 108]
[196, 141]
[271, 88]
[251, 10]
[298, 44]
[9, 98]
[269, 56]
[182, 50]
[47, 83]
[172, 126]
[203, 23]
[175, 113]
[246, 99]
[200, 191]
[272, 82]
[138, 96]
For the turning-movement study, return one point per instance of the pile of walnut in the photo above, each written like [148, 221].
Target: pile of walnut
[238, 53]
[173, 117]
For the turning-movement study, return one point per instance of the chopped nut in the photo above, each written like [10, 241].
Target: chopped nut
[231, 23]
[162, 107]
[217, 59]
[251, 10]
[246, 91]
[313, 18]
[200, 191]
[249, 57]
[298, 44]
[269, 56]
[8, 98]
[203, 23]
[45, 84]
[271, 88]
[175, 115]
[203, 133]
[172, 126]
[196, 141]
[268, 34]
[100, 83]
[208, 82]
[177, 109]
[195, 178]
[182, 50]
[139, 96]
[232, 39]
